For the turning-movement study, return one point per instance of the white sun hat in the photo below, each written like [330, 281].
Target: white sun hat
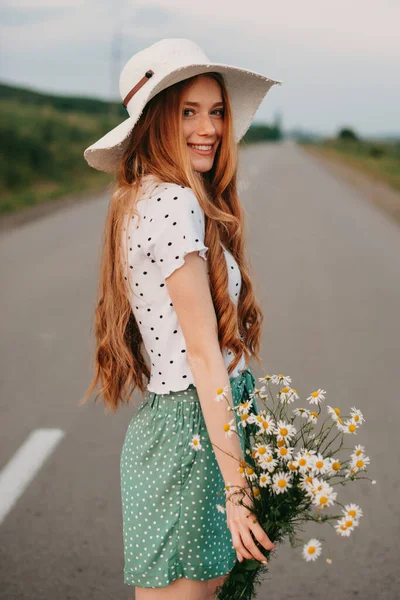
[161, 65]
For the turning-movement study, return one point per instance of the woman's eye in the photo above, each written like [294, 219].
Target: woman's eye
[220, 110]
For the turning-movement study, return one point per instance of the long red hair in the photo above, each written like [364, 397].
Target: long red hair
[157, 146]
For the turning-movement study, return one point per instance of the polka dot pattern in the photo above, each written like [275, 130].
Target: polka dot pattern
[170, 224]
[171, 525]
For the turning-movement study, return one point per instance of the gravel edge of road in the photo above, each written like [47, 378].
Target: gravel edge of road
[13, 220]
[380, 194]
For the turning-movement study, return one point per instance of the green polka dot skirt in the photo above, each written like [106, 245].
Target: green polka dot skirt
[170, 490]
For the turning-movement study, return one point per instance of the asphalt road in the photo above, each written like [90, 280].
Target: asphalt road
[327, 269]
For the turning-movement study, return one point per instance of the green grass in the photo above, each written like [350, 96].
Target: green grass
[44, 137]
[378, 160]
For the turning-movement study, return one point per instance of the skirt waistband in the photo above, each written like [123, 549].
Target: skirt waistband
[244, 381]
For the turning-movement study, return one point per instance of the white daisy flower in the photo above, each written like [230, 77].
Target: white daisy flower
[268, 463]
[259, 391]
[334, 466]
[265, 423]
[244, 407]
[281, 482]
[306, 483]
[353, 511]
[312, 417]
[264, 480]
[244, 420]
[325, 498]
[359, 463]
[303, 461]
[334, 412]
[285, 380]
[349, 426]
[284, 452]
[345, 526]
[317, 397]
[229, 428]
[222, 393]
[249, 472]
[318, 486]
[356, 415]
[301, 412]
[284, 431]
[358, 449]
[319, 464]
[195, 443]
[312, 549]
[265, 378]
[220, 508]
[287, 395]
[261, 450]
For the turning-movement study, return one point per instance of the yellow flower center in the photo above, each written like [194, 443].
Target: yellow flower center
[195, 442]
[352, 427]
[285, 390]
[302, 462]
[309, 479]
[360, 463]
[283, 431]
[323, 500]
[343, 527]
[349, 523]
[219, 391]
[319, 464]
[280, 443]
[358, 452]
[336, 465]
[227, 427]
[337, 411]
[294, 390]
[314, 414]
[282, 483]
[352, 513]
[283, 451]
[265, 424]
[356, 418]
[311, 550]
[262, 450]
[245, 416]
[269, 458]
[315, 394]
[256, 492]
[292, 467]
[281, 375]
[249, 471]
[340, 420]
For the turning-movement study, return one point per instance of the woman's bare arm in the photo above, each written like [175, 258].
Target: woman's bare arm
[189, 290]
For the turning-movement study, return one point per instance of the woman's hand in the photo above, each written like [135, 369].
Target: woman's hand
[240, 523]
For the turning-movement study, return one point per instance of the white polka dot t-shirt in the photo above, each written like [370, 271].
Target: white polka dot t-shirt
[170, 225]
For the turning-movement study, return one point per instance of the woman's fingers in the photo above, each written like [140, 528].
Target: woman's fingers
[238, 545]
[251, 546]
[260, 535]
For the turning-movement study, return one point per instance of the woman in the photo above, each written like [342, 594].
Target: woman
[175, 287]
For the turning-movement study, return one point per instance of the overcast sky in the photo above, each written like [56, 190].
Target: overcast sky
[339, 61]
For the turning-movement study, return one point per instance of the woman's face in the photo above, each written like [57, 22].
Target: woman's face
[203, 116]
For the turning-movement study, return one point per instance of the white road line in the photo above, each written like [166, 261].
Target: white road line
[24, 465]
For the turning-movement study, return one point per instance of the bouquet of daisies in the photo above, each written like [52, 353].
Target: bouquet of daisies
[293, 469]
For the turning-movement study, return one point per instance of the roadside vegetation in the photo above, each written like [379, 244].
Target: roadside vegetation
[379, 160]
[43, 137]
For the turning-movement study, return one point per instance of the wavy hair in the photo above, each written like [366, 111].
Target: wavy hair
[157, 146]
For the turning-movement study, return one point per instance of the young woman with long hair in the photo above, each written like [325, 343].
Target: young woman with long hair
[177, 317]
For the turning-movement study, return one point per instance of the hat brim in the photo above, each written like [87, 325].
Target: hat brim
[246, 90]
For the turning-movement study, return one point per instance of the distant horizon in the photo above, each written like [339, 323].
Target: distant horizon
[256, 121]
[337, 62]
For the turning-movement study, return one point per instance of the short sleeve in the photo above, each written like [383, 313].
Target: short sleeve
[175, 227]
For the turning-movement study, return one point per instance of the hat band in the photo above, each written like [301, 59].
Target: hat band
[137, 87]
